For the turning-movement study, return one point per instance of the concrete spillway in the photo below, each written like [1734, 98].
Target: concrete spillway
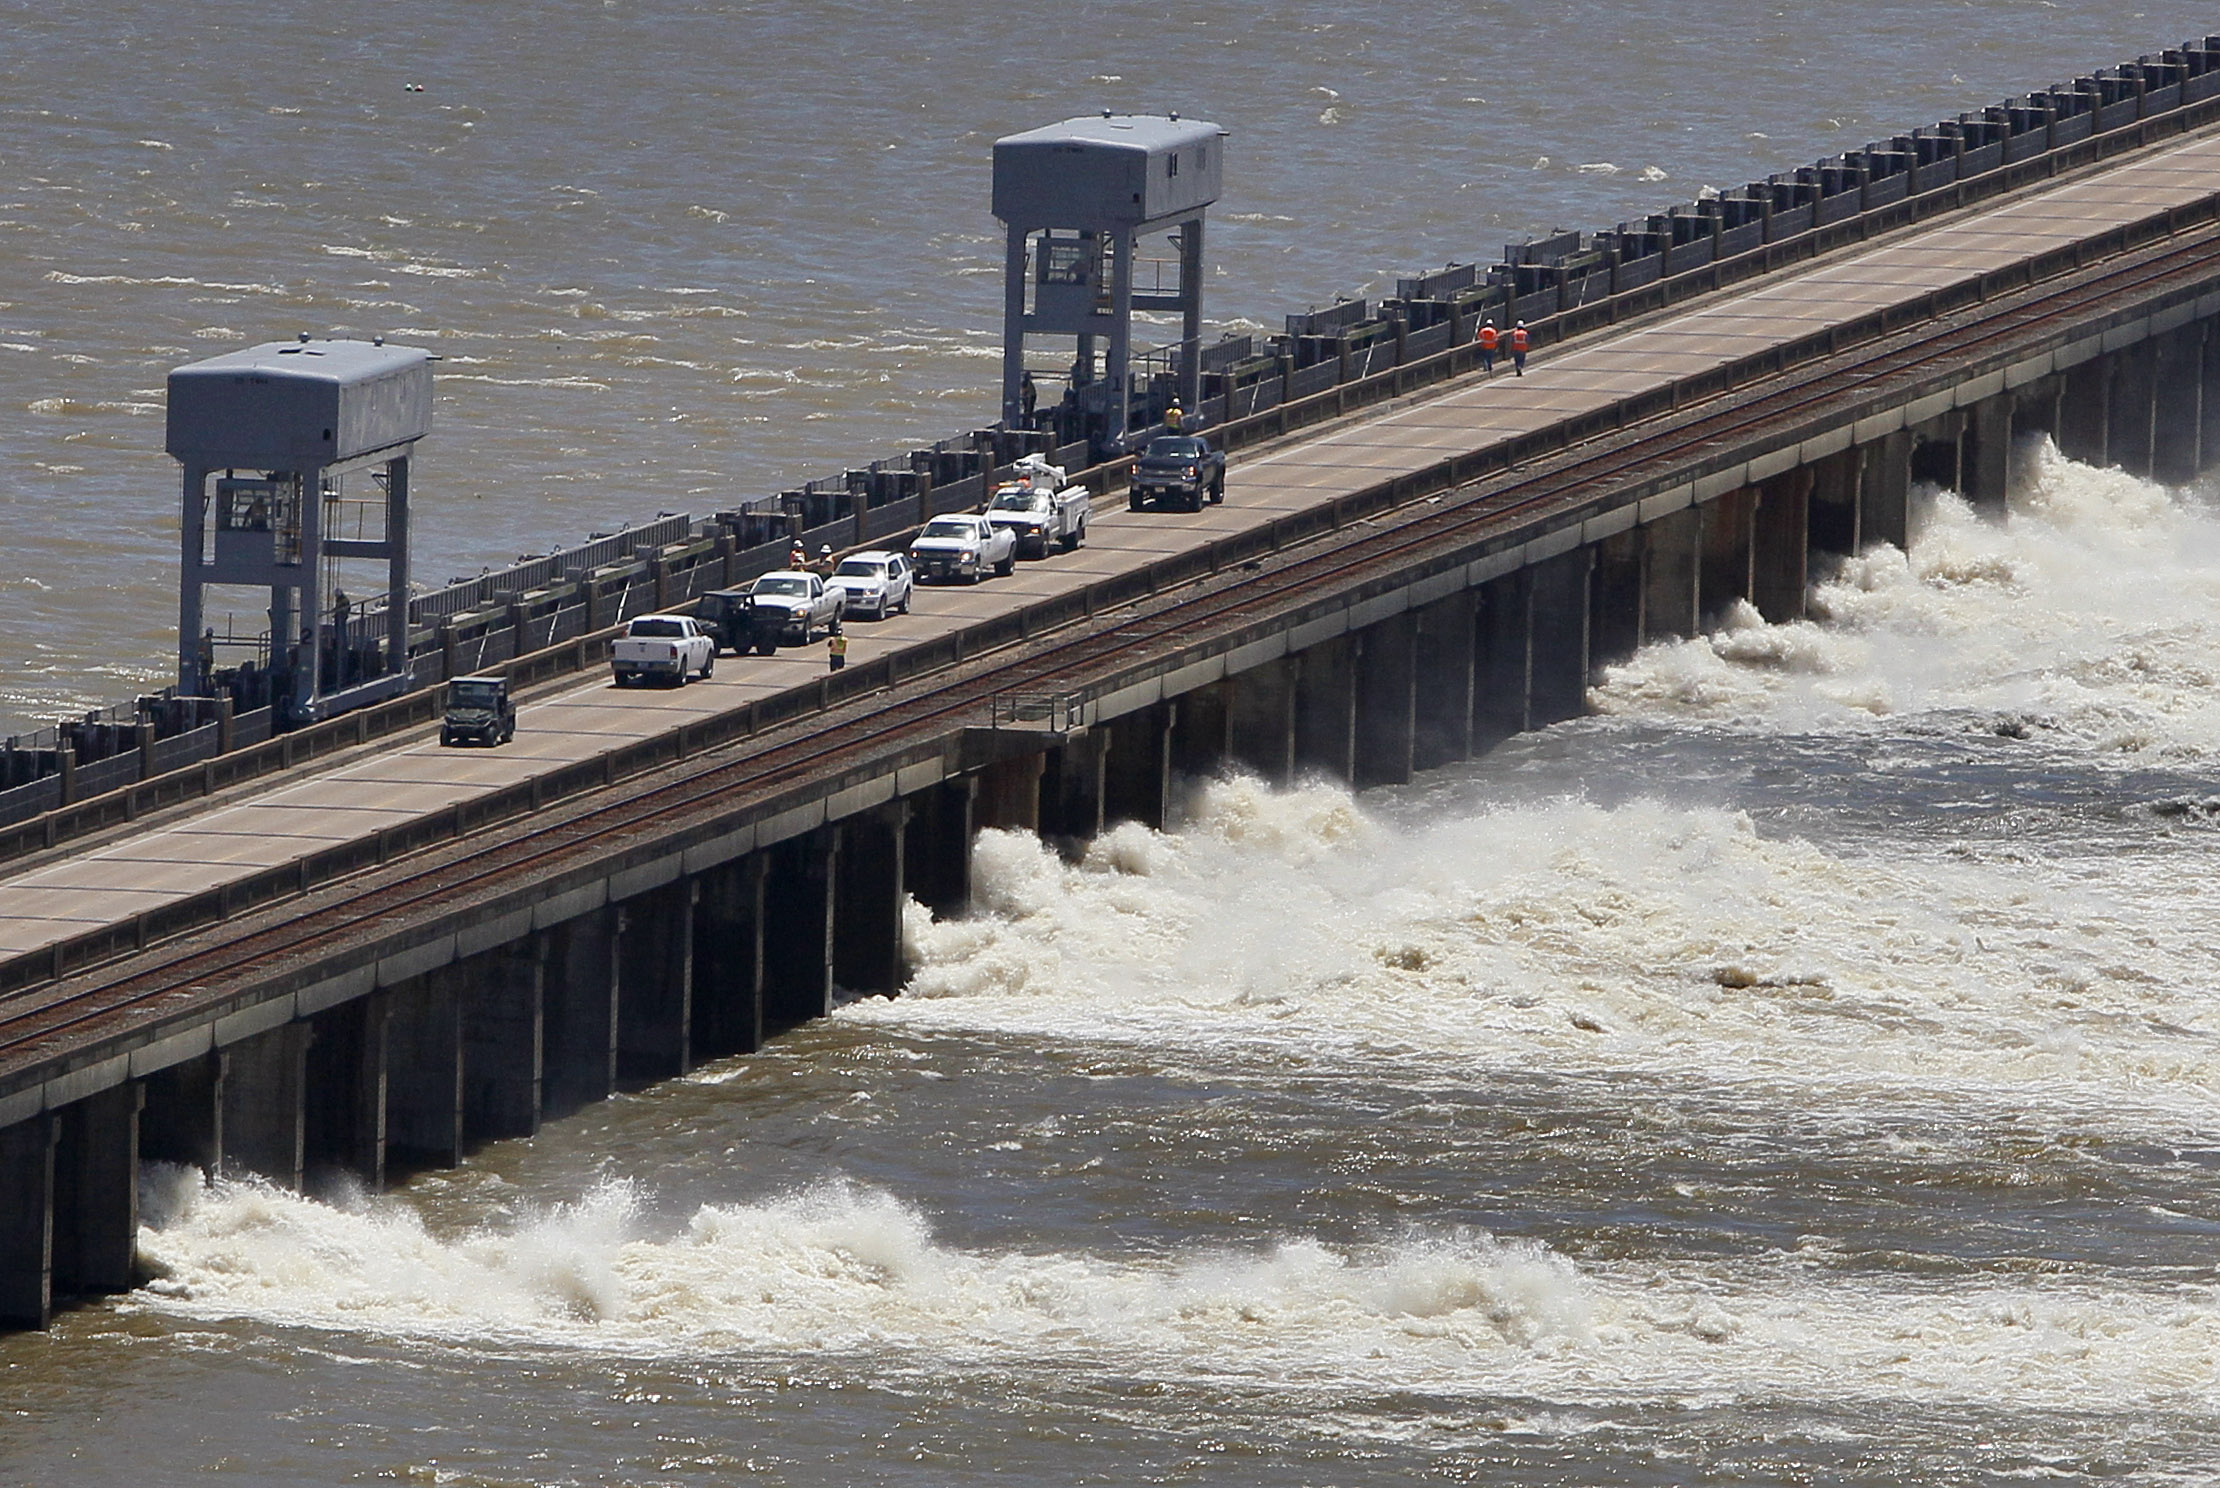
[416, 949]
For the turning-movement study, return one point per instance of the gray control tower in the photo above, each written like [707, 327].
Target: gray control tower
[1076, 197]
[280, 428]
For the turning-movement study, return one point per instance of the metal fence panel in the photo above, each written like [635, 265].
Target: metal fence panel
[35, 799]
[1430, 342]
[188, 748]
[107, 775]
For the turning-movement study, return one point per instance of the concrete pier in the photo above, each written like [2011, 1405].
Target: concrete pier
[264, 1115]
[424, 1081]
[504, 1039]
[27, 1222]
[655, 985]
[869, 891]
[1386, 702]
[349, 1069]
[580, 1012]
[728, 958]
[1326, 710]
[799, 899]
[1445, 646]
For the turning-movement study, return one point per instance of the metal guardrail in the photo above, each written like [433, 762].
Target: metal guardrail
[1053, 712]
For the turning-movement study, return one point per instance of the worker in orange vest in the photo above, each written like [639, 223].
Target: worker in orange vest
[1486, 341]
[1518, 348]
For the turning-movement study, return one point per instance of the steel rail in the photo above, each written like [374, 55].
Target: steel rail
[1808, 387]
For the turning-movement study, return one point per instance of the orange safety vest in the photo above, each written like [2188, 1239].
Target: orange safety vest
[1518, 339]
[1486, 338]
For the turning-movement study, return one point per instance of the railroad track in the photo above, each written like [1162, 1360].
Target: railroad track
[136, 987]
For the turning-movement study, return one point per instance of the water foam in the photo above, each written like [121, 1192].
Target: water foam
[1595, 942]
[835, 1266]
[841, 1269]
[2093, 610]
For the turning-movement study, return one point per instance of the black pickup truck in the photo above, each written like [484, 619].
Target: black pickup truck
[1178, 470]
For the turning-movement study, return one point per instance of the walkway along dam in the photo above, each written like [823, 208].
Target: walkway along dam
[380, 958]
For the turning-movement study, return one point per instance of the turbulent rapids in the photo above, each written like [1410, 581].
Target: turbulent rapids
[1816, 1043]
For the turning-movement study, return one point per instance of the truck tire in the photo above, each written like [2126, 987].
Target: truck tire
[1195, 500]
[1218, 491]
[508, 732]
[1007, 566]
[709, 666]
[767, 647]
[1133, 501]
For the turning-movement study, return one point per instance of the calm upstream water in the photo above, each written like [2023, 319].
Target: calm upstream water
[1804, 1070]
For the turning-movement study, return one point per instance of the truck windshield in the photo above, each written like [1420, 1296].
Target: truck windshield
[781, 586]
[1023, 498]
[859, 568]
[467, 692]
[658, 629]
[1171, 448]
[946, 527]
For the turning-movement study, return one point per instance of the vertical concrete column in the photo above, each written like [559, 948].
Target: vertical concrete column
[868, 900]
[424, 1073]
[1136, 782]
[1260, 720]
[2177, 415]
[96, 1191]
[1780, 541]
[1831, 510]
[182, 1121]
[580, 1009]
[1200, 724]
[1010, 793]
[1326, 709]
[1071, 790]
[1671, 571]
[728, 958]
[346, 1097]
[936, 844]
[2208, 402]
[655, 985]
[27, 1222]
[264, 1121]
[1885, 491]
[1446, 648]
[2133, 403]
[504, 1040]
[1729, 529]
[798, 934]
[1557, 679]
[1503, 661]
[1615, 598]
[2085, 412]
[1387, 701]
[1985, 463]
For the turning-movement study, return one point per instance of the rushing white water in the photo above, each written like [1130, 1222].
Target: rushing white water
[852, 1271]
[2093, 613]
[1947, 1021]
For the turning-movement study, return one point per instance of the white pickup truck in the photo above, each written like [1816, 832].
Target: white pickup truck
[1038, 508]
[962, 546]
[668, 647]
